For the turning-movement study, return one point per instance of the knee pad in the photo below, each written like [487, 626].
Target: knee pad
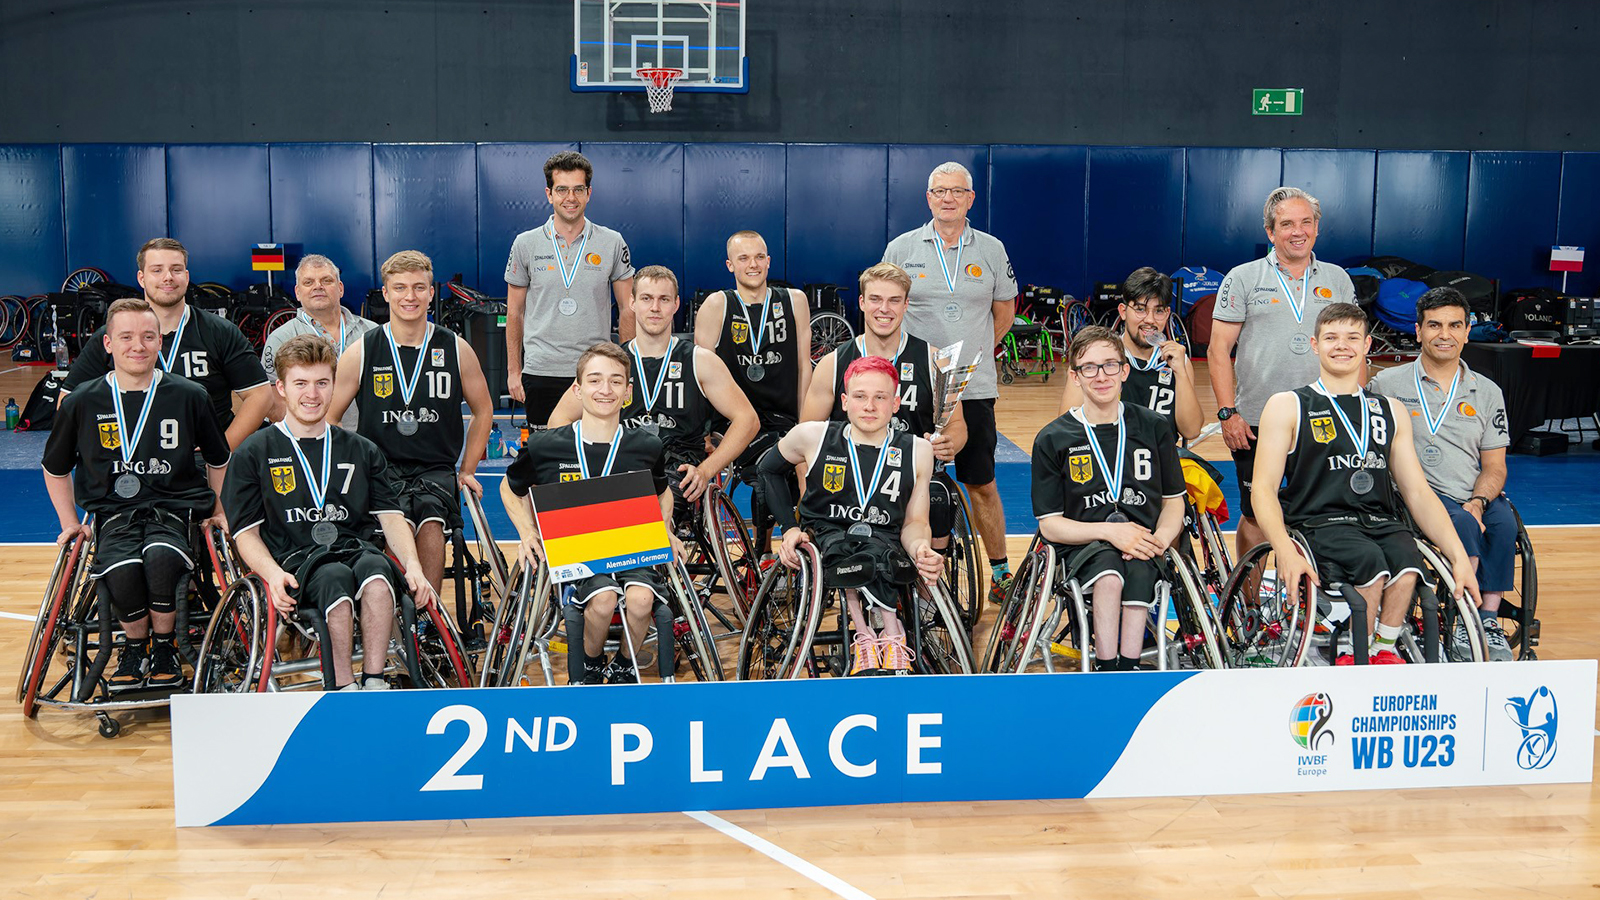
[166, 576]
[125, 590]
[941, 508]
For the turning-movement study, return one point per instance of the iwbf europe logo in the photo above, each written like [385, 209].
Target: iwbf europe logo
[1536, 716]
[1309, 726]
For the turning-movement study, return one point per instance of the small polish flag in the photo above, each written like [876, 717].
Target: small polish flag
[1566, 259]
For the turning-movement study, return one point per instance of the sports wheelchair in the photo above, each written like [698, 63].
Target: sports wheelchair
[1519, 605]
[533, 623]
[75, 632]
[721, 555]
[479, 574]
[783, 638]
[1048, 615]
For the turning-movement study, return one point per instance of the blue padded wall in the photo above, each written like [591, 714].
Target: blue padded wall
[1420, 207]
[909, 165]
[1024, 179]
[33, 240]
[322, 200]
[728, 188]
[1343, 182]
[1223, 190]
[835, 195]
[1580, 217]
[641, 196]
[510, 201]
[115, 198]
[1135, 211]
[425, 197]
[219, 204]
[1512, 202]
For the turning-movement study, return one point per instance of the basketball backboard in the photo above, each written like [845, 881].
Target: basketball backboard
[612, 39]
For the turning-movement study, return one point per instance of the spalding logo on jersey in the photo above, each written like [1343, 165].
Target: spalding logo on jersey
[283, 479]
[833, 477]
[1080, 468]
[741, 332]
[383, 384]
[1322, 429]
[110, 435]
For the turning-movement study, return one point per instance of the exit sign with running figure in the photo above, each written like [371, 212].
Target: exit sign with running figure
[1277, 101]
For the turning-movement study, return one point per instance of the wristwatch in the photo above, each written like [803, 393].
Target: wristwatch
[1483, 502]
[1227, 412]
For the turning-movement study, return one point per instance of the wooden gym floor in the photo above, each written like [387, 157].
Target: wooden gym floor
[81, 816]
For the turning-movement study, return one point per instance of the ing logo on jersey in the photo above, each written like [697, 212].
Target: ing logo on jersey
[1322, 429]
[283, 479]
[741, 332]
[110, 435]
[833, 477]
[383, 384]
[1080, 468]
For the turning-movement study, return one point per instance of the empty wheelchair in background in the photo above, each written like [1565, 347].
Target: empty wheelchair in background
[479, 574]
[1519, 606]
[722, 559]
[1047, 621]
[75, 633]
[784, 636]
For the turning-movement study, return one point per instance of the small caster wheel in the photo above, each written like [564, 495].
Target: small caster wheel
[1007, 378]
[109, 727]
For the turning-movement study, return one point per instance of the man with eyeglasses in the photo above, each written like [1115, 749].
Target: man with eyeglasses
[963, 289]
[557, 299]
[320, 291]
[1160, 375]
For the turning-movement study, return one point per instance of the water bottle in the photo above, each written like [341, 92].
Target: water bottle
[496, 449]
[13, 415]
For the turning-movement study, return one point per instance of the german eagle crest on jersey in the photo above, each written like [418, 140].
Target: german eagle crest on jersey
[382, 384]
[1080, 468]
[833, 477]
[741, 332]
[283, 479]
[1322, 429]
[110, 435]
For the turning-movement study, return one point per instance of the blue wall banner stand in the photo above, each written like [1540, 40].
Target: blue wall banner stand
[484, 753]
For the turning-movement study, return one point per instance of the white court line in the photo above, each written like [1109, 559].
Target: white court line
[778, 854]
[22, 618]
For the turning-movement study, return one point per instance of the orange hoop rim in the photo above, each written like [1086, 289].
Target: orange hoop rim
[660, 76]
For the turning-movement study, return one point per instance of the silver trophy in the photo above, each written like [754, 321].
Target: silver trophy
[950, 380]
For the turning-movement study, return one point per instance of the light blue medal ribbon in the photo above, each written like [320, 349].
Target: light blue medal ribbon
[1365, 437]
[171, 356]
[757, 329]
[408, 385]
[961, 245]
[1305, 286]
[650, 394]
[1422, 399]
[861, 344]
[611, 455]
[864, 493]
[1113, 477]
[130, 440]
[566, 276]
[1156, 362]
[318, 489]
[318, 326]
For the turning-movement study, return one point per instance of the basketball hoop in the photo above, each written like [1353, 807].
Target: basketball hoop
[658, 83]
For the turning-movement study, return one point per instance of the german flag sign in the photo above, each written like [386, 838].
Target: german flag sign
[600, 525]
[266, 258]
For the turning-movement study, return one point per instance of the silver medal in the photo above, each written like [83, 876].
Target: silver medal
[1117, 515]
[407, 423]
[568, 306]
[1299, 344]
[952, 311]
[1361, 481]
[126, 486]
[755, 371]
[325, 533]
[860, 530]
[1432, 456]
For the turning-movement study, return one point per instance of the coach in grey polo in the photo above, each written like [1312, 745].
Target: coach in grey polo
[320, 290]
[963, 289]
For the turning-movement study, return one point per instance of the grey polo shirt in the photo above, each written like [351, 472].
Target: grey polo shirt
[354, 327]
[1274, 350]
[560, 322]
[1474, 421]
[941, 316]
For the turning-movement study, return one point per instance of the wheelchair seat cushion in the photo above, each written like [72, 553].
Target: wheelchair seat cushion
[123, 538]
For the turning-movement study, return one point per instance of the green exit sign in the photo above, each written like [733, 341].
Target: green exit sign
[1277, 101]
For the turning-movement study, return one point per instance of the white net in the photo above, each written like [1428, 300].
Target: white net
[658, 84]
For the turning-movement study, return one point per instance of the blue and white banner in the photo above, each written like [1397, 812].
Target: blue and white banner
[281, 758]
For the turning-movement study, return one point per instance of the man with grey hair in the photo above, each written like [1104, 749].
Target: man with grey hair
[963, 289]
[1268, 308]
[322, 312]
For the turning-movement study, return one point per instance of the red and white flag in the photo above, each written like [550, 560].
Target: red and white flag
[1566, 259]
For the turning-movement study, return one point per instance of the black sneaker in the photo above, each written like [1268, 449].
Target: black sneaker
[620, 671]
[593, 676]
[131, 666]
[166, 669]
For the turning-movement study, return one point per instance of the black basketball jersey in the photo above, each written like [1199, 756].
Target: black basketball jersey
[681, 412]
[1069, 480]
[87, 441]
[830, 497]
[211, 352]
[1155, 389]
[1324, 474]
[269, 487]
[776, 394]
[914, 363]
[435, 405]
[551, 456]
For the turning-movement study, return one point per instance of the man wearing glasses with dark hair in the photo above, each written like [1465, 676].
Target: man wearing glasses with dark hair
[963, 289]
[1160, 376]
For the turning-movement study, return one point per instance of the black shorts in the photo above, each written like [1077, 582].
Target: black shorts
[329, 578]
[1360, 554]
[1244, 464]
[540, 395]
[124, 538]
[429, 495]
[583, 590]
[975, 463]
[1139, 576]
[880, 567]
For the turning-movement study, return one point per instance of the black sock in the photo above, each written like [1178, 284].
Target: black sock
[1127, 663]
[1105, 665]
[168, 638]
[593, 663]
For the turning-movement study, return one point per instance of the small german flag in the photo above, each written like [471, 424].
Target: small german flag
[266, 258]
[601, 525]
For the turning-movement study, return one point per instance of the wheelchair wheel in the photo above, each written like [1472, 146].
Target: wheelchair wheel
[434, 645]
[1264, 623]
[828, 332]
[67, 579]
[1520, 604]
[733, 551]
[963, 563]
[81, 278]
[230, 656]
[1436, 590]
[783, 621]
[938, 633]
[515, 625]
[1077, 316]
[1023, 613]
[691, 634]
[1195, 642]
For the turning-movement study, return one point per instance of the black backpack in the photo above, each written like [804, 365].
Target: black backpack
[40, 413]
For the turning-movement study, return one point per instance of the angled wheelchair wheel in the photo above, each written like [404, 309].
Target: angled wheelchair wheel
[963, 563]
[940, 637]
[1190, 639]
[1077, 317]
[14, 315]
[517, 624]
[1265, 623]
[1519, 606]
[81, 278]
[828, 332]
[732, 549]
[434, 646]
[784, 618]
[67, 579]
[691, 634]
[230, 658]
[1023, 613]
[1436, 591]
